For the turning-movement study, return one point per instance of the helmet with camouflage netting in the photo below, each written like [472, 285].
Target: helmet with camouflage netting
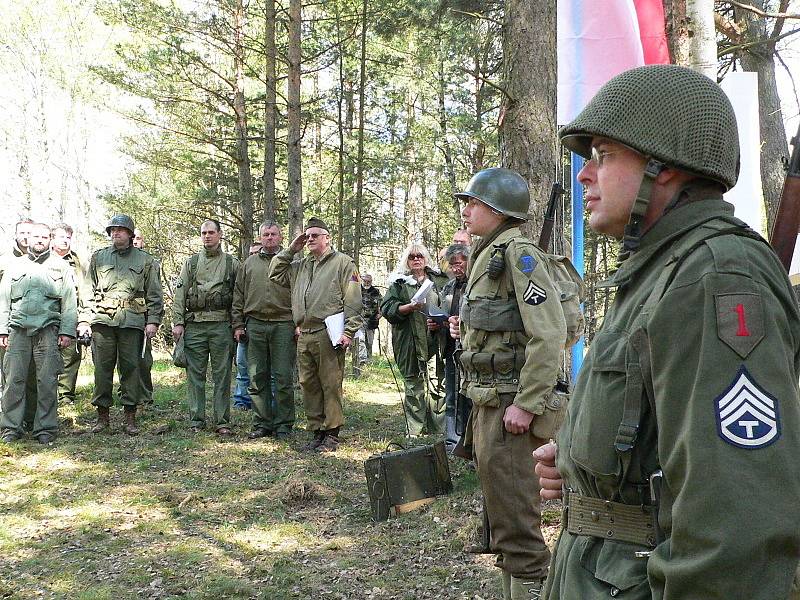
[502, 189]
[669, 113]
[120, 221]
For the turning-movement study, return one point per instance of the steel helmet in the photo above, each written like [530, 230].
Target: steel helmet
[502, 189]
[120, 221]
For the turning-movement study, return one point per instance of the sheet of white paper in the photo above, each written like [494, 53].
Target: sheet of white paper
[335, 326]
[422, 292]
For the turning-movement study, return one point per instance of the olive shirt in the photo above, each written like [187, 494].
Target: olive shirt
[126, 289]
[490, 327]
[38, 293]
[255, 295]
[320, 288]
[212, 290]
[726, 333]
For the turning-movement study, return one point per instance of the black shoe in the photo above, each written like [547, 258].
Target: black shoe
[319, 437]
[259, 432]
[10, 436]
[329, 444]
[45, 438]
[283, 435]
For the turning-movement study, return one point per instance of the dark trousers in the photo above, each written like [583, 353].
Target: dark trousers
[120, 348]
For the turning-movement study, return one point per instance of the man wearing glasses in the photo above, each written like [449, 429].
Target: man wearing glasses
[678, 456]
[324, 284]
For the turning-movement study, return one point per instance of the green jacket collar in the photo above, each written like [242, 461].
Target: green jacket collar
[213, 252]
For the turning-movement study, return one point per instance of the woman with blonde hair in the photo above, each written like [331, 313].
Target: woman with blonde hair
[415, 339]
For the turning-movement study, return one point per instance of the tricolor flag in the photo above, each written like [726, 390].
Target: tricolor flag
[598, 40]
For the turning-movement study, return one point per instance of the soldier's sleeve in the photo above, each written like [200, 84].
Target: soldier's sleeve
[86, 307]
[239, 295]
[69, 305]
[351, 292]
[390, 306]
[282, 269]
[540, 308]
[179, 300]
[154, 295]
[5, 304]
[82, 283]
[724, 356]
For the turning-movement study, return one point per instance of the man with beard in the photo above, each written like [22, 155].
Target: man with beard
[125, 308]
[38, 314]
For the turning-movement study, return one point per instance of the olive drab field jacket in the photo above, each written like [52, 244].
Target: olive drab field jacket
[35, 294]
[512, 328]
[320, 288]
[255, 295]
[205, 288]
[125, 289]
[694, 373]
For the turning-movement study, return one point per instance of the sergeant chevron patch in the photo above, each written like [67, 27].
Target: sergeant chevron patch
[534, 295]
[747, 416]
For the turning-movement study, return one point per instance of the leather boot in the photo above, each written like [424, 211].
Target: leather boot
[103, 423]
[130, 421]
[523, 588]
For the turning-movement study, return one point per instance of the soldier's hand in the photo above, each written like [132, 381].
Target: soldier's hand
[150, 330]
[296, 333]
[455, 331]
[64, 341]
[84, 329]
[3, 341]
[177, 332]
[344, 341]
[298, 243]
[517, 420]
[237, 334]
[549, 476]
[432, 325]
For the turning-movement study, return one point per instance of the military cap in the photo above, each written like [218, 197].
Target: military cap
[317, 222]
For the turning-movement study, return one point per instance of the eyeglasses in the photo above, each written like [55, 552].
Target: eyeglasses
[599, 156]
[312, 236]
[415, 257]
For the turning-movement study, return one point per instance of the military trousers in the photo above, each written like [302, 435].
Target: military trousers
[321, 370]
[457, 406]
[146, 373]
[424, 401]
[30, 391]
[39, 352]
[504, 463]
[120, 348]
[67, 381]
[201, 340]
[271, 354]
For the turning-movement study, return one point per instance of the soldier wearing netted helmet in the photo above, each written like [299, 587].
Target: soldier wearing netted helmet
[512, 331]
[678, 456]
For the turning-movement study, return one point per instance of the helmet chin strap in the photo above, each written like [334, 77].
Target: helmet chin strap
[633, 230]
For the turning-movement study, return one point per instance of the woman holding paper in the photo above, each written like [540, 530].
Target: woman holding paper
[412, 294]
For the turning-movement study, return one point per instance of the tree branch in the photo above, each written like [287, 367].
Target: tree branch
[761, 13]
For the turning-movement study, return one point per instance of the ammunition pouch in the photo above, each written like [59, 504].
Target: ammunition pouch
[492, 314]
[546, 425]
[491, 368]
[203, 301]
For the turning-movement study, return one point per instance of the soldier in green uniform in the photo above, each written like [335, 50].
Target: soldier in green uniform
[124, 308]
[263, 310]
[679, 451]
[146, 361]
[415, 340]
[38, 314]
[512, 331]
[324, 284]
[201, 313]
[61, 246]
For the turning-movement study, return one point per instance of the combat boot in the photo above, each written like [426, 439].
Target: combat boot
[103, 423]
[130, 421]
[524, 588]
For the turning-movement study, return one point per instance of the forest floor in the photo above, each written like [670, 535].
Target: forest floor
[171, 514]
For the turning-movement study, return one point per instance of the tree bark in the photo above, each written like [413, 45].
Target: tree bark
[242, 154]
[270, 209]
[362, 85]
[528, 121]
[444, 143]
[294, 134]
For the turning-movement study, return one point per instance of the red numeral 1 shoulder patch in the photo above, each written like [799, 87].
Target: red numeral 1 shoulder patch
[740, 321]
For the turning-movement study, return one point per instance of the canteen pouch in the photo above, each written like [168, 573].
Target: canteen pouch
[404, 476]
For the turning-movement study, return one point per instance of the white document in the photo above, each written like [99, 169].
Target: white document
[422, 292]
[335, 326]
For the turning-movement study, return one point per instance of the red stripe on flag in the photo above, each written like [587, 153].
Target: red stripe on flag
[652, 25]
